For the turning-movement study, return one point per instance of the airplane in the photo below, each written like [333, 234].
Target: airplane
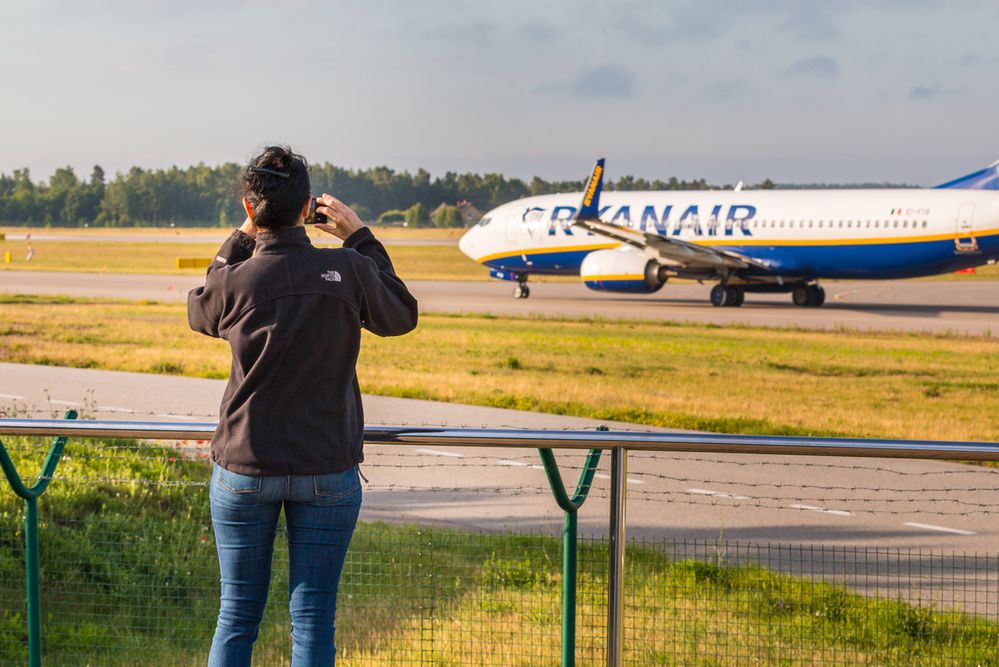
[747, 241]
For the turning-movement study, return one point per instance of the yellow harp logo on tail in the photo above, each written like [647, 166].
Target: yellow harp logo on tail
[591, 187]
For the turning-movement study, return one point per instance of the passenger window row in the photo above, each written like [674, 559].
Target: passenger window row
[840, 224]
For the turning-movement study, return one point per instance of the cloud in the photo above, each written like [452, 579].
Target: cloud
[611, 81]
[726, 91]
[810, 21]
[701, 24]
[975, 59]
[538, 31]
[814, 67]
[925, 92]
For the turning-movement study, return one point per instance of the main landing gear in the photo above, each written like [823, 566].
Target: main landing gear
[808, 296]
[727, 296]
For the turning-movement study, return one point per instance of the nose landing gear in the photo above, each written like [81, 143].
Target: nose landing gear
[521, 291]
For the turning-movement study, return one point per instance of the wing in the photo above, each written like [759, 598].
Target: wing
[670, 251]
[666, 250]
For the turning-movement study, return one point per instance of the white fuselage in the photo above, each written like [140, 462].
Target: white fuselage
[883, 233]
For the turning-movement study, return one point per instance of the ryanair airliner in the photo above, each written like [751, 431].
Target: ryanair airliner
[746, 240]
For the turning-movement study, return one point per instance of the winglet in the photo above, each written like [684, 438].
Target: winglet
[983, 179]
[589, 209]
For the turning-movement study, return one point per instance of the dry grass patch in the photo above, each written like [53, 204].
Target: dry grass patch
[431, 262]
[181, 234]
[732, 379]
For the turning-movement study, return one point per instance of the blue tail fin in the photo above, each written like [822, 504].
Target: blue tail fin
[589, 209]
[983, 179]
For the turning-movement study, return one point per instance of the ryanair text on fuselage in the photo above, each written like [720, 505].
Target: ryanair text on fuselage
[719, 221]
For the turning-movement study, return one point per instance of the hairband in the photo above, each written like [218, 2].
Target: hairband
[264, 170]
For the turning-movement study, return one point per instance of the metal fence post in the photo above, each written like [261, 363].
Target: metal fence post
[569, 541]
[615, 588]
[30, 494]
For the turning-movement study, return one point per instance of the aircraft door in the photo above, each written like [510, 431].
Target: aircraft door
[965, 240]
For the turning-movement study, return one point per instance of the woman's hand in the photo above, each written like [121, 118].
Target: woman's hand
[342, 220]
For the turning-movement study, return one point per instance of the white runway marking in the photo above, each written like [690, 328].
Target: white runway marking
[631, 480]
[519, 464]
[111, 408]
[14, 396]
[437, 452]
[56, 401]
[942, 529]
[170, 415]
[718, 494]
[821, 510]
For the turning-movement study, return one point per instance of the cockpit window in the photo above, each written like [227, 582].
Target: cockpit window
[484, 221]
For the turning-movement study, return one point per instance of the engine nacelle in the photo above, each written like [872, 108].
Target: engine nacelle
[621, 270]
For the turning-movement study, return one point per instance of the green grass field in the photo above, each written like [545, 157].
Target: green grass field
[731, 379]
[129, 577]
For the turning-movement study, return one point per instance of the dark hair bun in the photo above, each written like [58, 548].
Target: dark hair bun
[276, 183]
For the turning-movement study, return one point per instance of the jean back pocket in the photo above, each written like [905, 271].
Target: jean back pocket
[336, 485]
[235, 482]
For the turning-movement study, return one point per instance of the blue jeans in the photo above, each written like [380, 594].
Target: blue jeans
[321, 512]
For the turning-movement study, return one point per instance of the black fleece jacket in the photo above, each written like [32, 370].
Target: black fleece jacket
[292, 314]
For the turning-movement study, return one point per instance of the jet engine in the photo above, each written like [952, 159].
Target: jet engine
[621, 270]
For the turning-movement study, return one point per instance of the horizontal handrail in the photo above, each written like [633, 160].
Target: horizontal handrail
[531, 438]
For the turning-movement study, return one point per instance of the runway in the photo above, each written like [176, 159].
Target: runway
[965, 307]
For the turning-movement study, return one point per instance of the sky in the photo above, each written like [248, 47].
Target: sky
[799, 92]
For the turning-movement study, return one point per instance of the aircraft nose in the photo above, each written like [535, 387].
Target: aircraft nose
[466, 244]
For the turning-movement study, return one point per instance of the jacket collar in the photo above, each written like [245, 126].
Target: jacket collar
[282, 240]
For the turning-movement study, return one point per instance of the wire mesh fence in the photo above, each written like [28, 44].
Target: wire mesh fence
[129, 576]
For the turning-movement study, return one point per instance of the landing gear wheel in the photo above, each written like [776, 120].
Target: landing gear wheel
[801, 295]
[809, 296]
[734, 296]
[718, 296]
[727, 296]
[817, 295]
[521, 291]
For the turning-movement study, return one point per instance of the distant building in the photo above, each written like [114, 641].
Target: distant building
[469, 213]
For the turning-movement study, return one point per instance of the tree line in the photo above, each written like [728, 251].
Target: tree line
[202, 195]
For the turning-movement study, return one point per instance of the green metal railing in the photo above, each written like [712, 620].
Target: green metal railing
[30, 495]
[570, 535]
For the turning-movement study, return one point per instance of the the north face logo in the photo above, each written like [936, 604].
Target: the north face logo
[331, 276]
